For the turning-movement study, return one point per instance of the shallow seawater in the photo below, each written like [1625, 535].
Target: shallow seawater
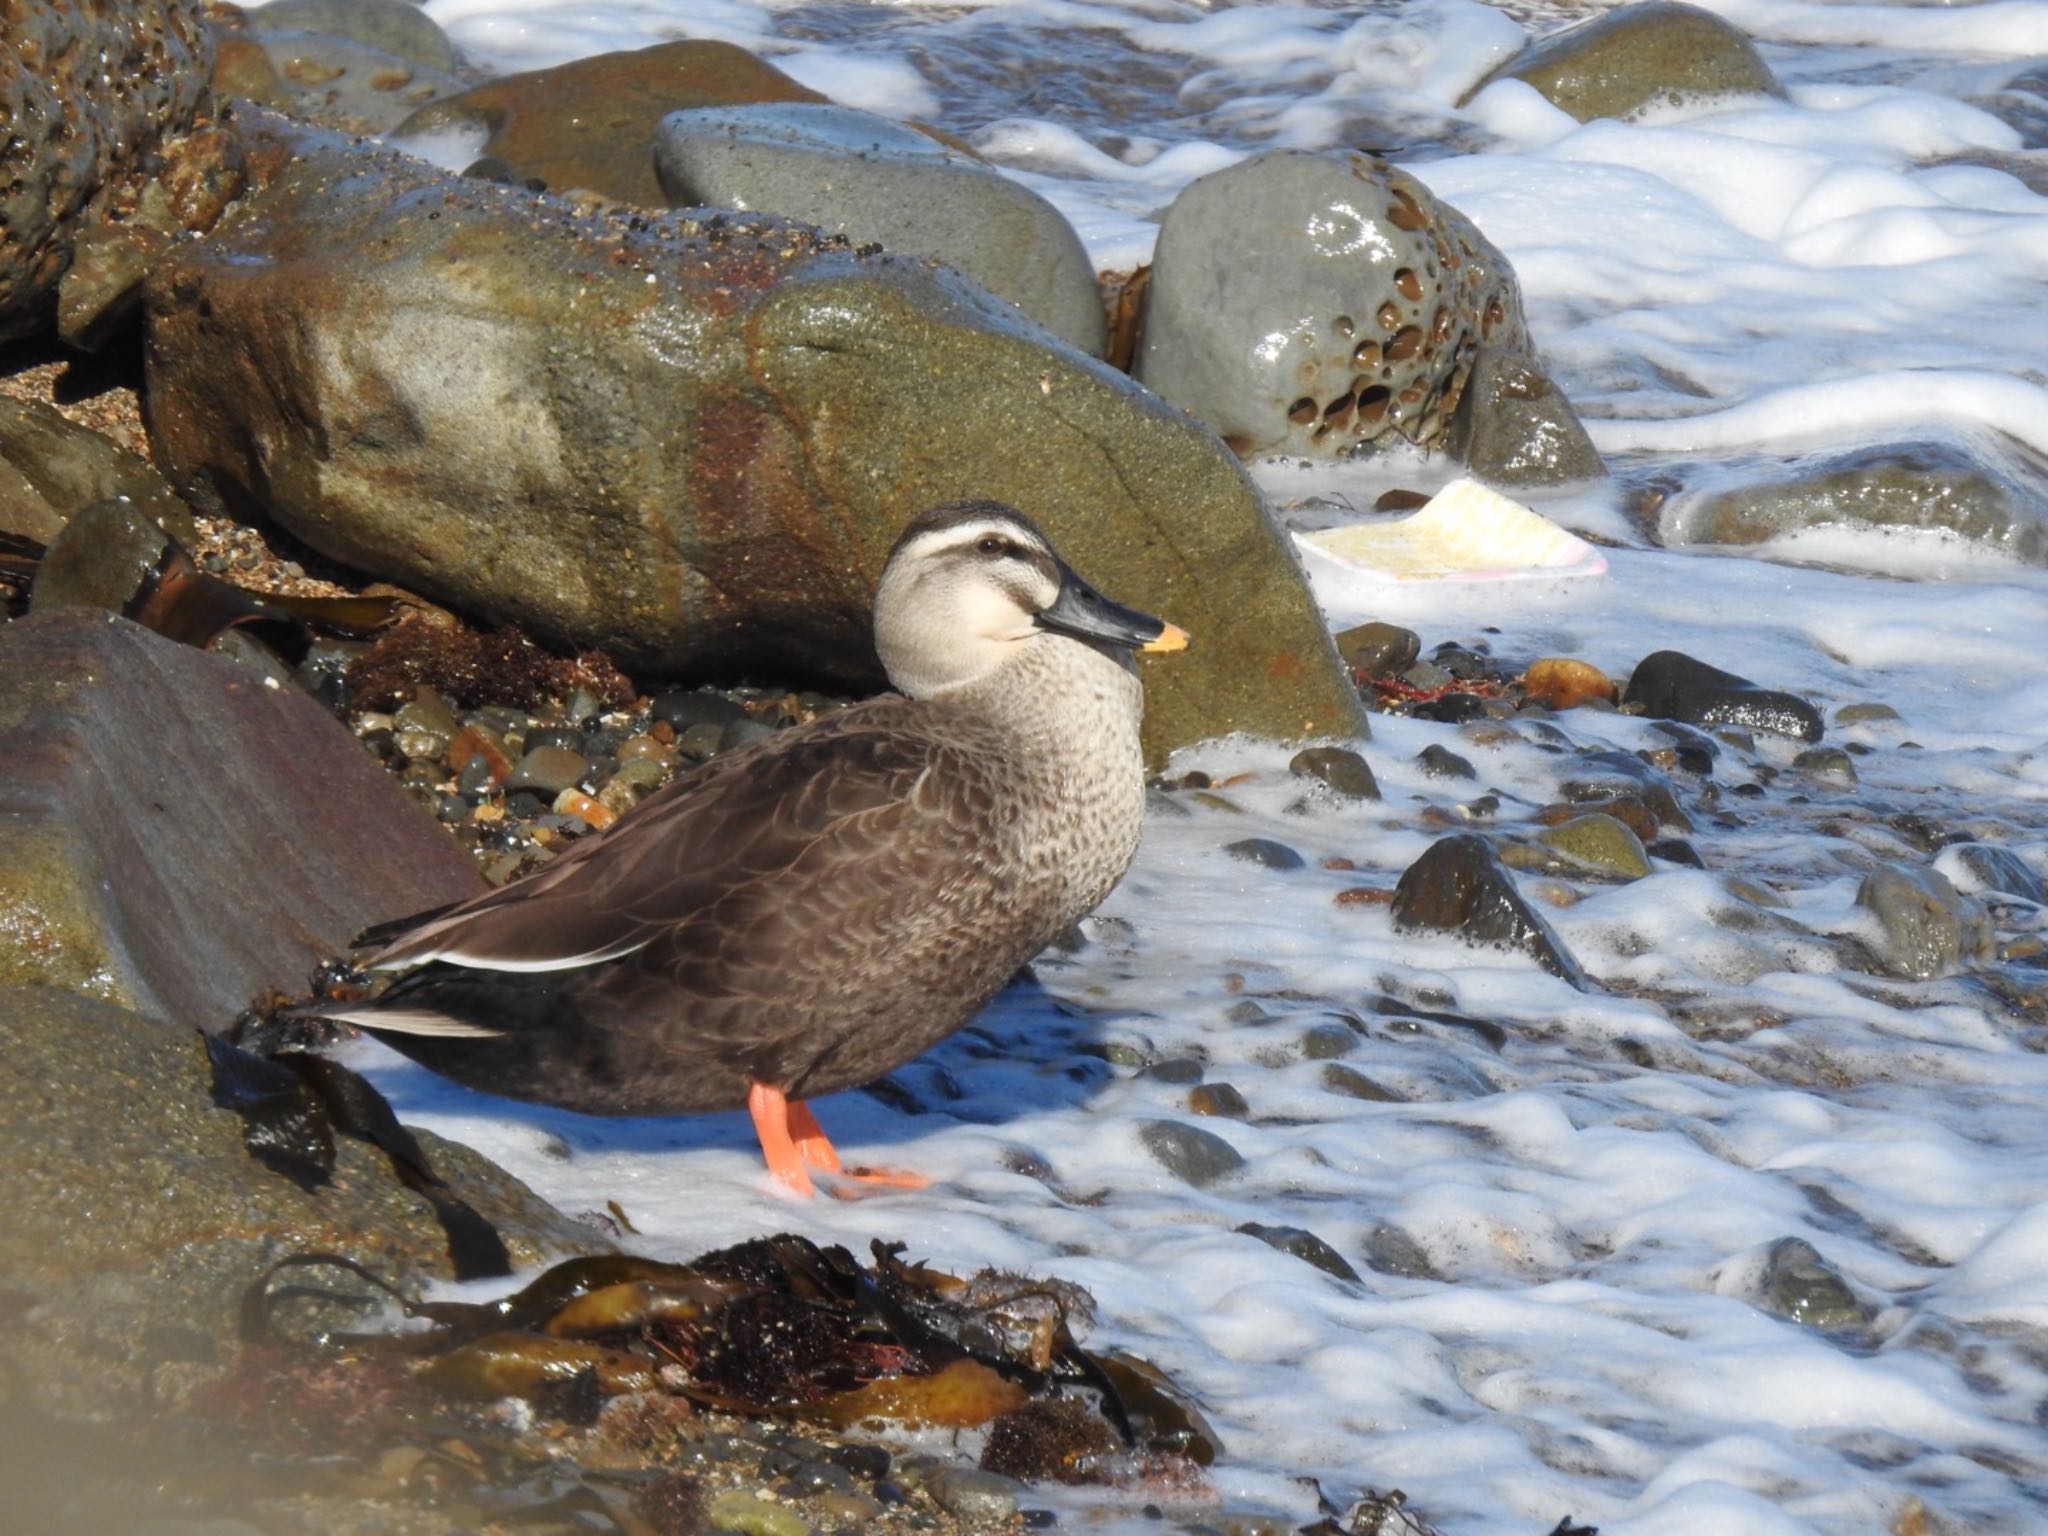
[1564, 1206]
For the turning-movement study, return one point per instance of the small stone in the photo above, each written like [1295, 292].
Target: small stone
[1181, 1070]
[1326, 1042]
[1674, 686]
[679, 711]
[1798, 1284]
[1831, 765]
[1440, 762]
[1354, 1084]
[547, 770]
[1982, 867]
[1338, 769]
[1675, 850]
[1459, 886]
[1865, 714]
[1560, 682]
[975, 1496]
[591, 812]
[868, 1462]
[1393, 1252]
[1599, 844]
[1378, 650]
[1193, 1155]
[820, 1477]
[743, 733]
[699, 741]
[738, 1510]
[1304, 1245]
[1220, 1100]
[1266, 851]
[1926, 927]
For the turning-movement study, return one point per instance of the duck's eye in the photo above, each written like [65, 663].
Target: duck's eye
[993, 544]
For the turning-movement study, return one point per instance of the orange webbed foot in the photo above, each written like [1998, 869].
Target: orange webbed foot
[796, 1146]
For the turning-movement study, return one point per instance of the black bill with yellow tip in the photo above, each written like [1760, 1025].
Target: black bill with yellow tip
[1086, 614]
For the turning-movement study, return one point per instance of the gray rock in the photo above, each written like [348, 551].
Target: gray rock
[1188, 1152]
[1340, 771]
[1326, 1042]
[689, 441]
[873, 179]
[354, 86]
[1975, 867]
[1459, 886]
[1926, 927]
[88, 92]
[1354, 1084]
[1831, 765]
[50, 468]
[547, 771]
[1392, 1251]
[181, 838]
[1925, 485]
[1641, 55]
[1440, 762]
[1380, 296]
[394, 26]
[136, 1216]
[1798, 1284]
[1513, 425]
[980, 1498]
[1865, 714]
[1304, 1245]
[1266, 851]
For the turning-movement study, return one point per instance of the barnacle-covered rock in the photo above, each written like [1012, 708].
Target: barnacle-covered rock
[88, 92]
[1325, 303]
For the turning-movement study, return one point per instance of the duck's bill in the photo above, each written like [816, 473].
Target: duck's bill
[1086, 614]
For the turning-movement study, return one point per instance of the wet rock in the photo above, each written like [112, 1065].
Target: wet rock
[1675, 850]
[871, 178]
[1188, 1152]
[977, 1497]
[1440, 762]
[1641, 55]
[578, 442]
[1691, 751]
[1220, 1100]
[1378, 650]
[1182, 1070]
[183, 838]
[548, 771]
[1393, 1252]
[348, 85]
[1798, 1284]
[394, 26]
[1513, 425]
[1830, 765]
[1459, 886]
[1354, 1084]
[1563, 682]
[1265, 851]
[1609, 779]
[50, 468]
[1914, 486]
[1674, 686]
[1977, 867]
[1383, 297]
[137, 1217]
[1926, 927]
[89, 94]
[1339, 770]
[1600, 844]
[590, 124]
[1304, 1245]
[751, 1515]
[1865, 714]
[1326, 1042]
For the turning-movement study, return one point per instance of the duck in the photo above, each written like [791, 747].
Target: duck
[806, 913]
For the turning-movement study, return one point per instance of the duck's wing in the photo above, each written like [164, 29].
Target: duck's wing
[737, 822]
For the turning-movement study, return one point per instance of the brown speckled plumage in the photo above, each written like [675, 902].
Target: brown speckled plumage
[813, 910]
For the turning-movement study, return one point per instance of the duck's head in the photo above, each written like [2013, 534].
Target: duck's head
[972, 583]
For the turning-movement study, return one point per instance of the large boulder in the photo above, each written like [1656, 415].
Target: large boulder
[183, 837]
[1655, 53]
[688, 439]
[873, 179]
[1324, 304]
[589, 124]
[89, 91]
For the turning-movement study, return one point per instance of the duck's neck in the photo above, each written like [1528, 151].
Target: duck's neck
[1071, 712]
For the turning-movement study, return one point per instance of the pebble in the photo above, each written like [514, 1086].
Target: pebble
[737, 1510]
[1926, 926]
[1675, 686]
[1354, 1084]
[1440, 762]
[1179, 1070]
[1304, 1245]
[1599, 844]
[1326, 1042]
[1831, 765]
[1393, 1252]
[1266, 851]
[1378, 650]
[970, 1494]
[1865, 714]
[1338, 769]
[867, 1462]
[1193, 1155]
[592, 813]
[1798, 1284]
[1986, 868]
[1220, 1100]
[548, 769]
[1460, 886]
[1560, 682]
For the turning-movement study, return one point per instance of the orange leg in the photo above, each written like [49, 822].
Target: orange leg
[794, 1143]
